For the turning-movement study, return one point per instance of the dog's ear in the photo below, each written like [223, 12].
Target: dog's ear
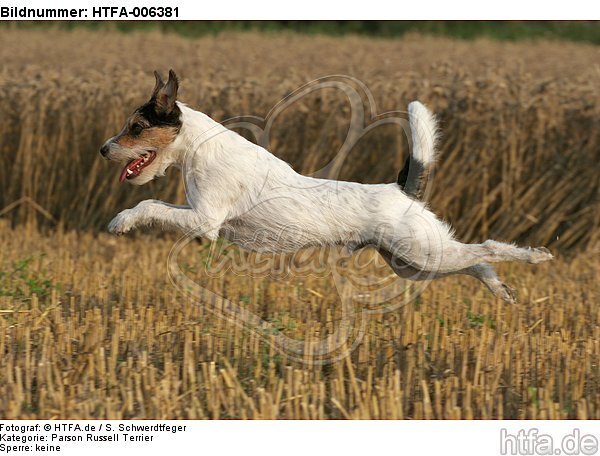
[167, 95]
[158, 85]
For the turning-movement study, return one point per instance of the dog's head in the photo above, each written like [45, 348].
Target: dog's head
[143, 143]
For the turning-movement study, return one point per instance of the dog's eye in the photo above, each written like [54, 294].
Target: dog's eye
[136, 129]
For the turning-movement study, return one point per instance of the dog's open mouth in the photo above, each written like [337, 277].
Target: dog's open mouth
[135, 167]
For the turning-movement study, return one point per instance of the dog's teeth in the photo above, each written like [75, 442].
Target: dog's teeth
[129, 172]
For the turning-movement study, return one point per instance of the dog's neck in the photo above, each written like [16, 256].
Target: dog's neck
[196, 130]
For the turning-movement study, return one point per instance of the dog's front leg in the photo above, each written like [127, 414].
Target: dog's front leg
[166, 216]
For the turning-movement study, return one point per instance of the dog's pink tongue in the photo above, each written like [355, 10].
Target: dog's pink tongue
[123, 175]
[131, 169]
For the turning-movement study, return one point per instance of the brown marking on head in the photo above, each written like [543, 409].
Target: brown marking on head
[155, 124]
[159, 84]
[165, 95]
[146, 133]
[151, 138]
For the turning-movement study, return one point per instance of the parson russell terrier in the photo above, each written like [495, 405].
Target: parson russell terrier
[242, 192]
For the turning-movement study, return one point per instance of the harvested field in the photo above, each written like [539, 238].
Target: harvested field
[92, 327]
[110, 337]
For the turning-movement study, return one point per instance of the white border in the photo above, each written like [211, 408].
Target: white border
[352, 9]
[311, 438]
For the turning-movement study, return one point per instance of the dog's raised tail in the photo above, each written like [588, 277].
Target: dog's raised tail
[424, 136]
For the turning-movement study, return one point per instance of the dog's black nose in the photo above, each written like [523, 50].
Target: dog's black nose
[104, 150]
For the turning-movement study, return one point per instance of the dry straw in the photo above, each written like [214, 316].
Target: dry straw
[108, 336]
[91, 328]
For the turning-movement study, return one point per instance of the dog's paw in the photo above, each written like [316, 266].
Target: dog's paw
[539, 255]
[506, 293]
[122, 223]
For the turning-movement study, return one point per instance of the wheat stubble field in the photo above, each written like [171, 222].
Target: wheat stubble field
[91, 327]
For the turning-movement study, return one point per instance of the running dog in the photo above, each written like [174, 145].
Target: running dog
[240, 191]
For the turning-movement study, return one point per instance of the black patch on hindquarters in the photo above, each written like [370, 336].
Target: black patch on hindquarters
[411, 176]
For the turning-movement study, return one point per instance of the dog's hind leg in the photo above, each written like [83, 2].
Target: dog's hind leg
[483, 272]
[493, 252]
[450, 256]
[486, 274]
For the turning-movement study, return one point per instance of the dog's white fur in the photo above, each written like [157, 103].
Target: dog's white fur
[240, 191]
[424, 133]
